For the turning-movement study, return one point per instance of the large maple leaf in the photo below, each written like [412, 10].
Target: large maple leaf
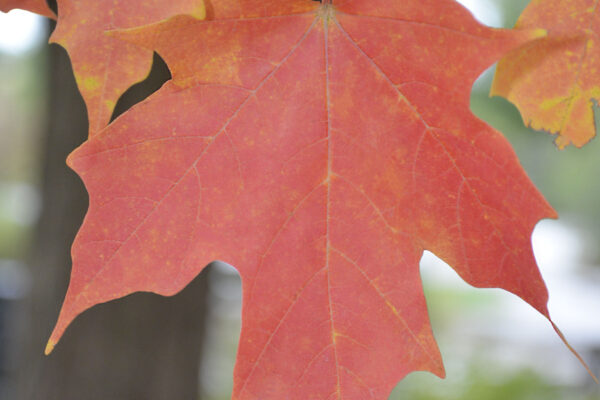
[35, 6]
[105, 67]
[318, 148]
[554, 81]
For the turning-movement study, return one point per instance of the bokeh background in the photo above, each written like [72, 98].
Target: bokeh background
[147, 347]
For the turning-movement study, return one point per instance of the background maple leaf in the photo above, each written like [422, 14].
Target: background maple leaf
[554, 81]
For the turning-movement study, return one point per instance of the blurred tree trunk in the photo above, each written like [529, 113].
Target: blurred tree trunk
[141, 347]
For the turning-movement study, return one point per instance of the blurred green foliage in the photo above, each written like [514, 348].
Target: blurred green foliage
[479, 385]
[22, 119]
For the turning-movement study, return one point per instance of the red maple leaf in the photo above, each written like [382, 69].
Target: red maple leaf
[320, 149]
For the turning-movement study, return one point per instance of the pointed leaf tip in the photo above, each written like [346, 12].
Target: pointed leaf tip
[49, 347]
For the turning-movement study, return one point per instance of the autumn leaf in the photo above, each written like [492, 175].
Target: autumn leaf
[320, 149]
[35, 6]
[105, 67]
[554, 81]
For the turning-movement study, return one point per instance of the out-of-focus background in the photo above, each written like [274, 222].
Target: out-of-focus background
[147, 347]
